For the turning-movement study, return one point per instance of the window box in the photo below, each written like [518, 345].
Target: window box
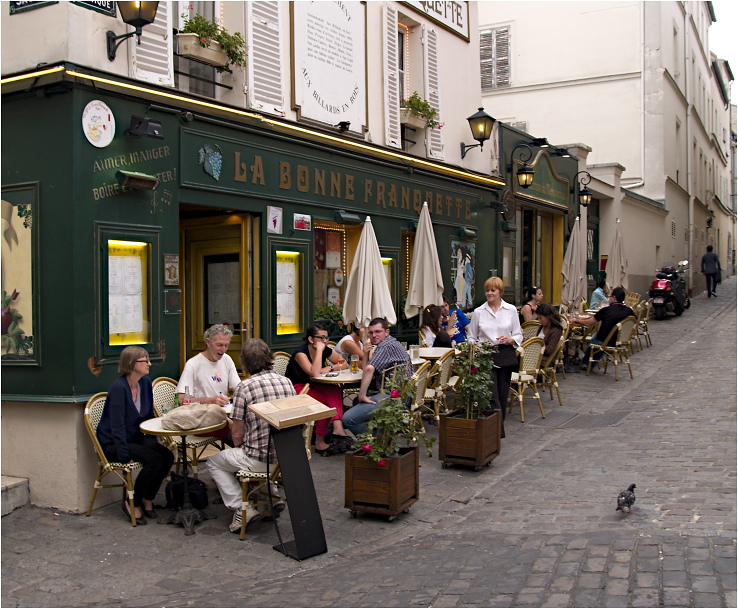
[409, 119]
[189, 46]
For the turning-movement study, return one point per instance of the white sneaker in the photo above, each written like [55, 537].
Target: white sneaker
[252, 515]
[266, 510]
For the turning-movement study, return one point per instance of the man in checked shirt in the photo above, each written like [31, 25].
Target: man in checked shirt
[250, 433]
[388, 353]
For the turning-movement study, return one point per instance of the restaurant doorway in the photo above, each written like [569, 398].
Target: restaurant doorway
[221, 268]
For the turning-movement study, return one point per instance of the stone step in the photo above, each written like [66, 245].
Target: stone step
[15, 493]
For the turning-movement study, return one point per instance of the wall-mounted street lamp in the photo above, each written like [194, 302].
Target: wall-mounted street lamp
[481, 125]
[540, 142]
[585, 197]
[562, 152]
[136, 14]
[525, 173]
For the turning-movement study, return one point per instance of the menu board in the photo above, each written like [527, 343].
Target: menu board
[127, 293]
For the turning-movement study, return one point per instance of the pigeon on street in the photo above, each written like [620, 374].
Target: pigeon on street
[626, 499]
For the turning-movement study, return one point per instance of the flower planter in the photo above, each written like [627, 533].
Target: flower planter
[189, 46]
[473, 442]
[386, 490]
[412, 120]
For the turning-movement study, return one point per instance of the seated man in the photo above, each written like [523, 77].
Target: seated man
[210, 374]
[388, 353]
[454, 322]
[608, 317]
[250, 433]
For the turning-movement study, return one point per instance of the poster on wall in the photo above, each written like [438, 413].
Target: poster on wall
[329, 74]
[19, 236]
[463, 266]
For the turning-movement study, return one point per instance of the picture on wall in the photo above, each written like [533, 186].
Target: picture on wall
[463, 268]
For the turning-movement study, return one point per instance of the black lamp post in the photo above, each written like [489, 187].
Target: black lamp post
[585, 197]
[136, 14]
[525, 173]
[481, 125]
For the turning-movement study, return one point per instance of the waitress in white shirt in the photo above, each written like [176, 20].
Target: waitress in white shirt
[497, 322]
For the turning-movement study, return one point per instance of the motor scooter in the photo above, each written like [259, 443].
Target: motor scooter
[669, 290]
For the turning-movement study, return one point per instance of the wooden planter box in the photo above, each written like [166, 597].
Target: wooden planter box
[412, 120]
[386, 490]
[473, 442]
[190, 47]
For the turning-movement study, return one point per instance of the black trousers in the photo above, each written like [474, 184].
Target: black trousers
[501, 390]
[157, 460]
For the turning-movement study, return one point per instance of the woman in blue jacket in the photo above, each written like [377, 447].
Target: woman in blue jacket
[129, 402]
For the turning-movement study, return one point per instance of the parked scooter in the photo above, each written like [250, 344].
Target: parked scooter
[669, 291]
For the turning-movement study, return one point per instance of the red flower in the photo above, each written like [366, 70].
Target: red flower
[204, 40]
[366, 448]
[394, 393]
[473, 370]
[381, 463]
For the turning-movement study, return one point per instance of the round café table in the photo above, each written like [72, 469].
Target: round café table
[187, 516]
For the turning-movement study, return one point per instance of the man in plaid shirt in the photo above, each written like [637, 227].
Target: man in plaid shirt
[250, 433]
[388, 353]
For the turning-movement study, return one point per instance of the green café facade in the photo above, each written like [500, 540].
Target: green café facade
[254, 222]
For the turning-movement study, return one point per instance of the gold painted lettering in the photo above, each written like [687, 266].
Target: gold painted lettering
[429, 198]
[405, 197]
[468, 209]
[449, 205]
[240, 170]
[380, 194]
[335, 184]
[319, 177]
[349, 187]
[367, 190]
[257, 171]
[285, 182]
[458, 207]
[439, 204]
[303, 182]
[393, 196]
[417, 200]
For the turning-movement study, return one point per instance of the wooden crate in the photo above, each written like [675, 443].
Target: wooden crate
[386, 490]
[473, 442]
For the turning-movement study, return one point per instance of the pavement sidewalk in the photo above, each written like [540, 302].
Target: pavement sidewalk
[538, 528]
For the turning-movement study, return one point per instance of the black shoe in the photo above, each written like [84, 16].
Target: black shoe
[325, 452]
[715, 295]
[124, 507]
[149, 513]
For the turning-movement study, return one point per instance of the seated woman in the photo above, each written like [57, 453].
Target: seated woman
[550, 327]
[308, 361]
[534, 296]
[351, 344]
[599, 296]
[130, 401]
[430, 328]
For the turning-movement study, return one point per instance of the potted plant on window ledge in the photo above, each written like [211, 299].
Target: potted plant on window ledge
[470, 434]
[208, 42]
[417, 113]
[382, 475]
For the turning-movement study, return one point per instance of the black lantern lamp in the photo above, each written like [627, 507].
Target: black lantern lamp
[136, 14]
[525, 174]
[585, 197]
[481, 125]
[540, 142]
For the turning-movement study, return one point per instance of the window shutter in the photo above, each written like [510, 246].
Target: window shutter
[433, 140]
[152, 61]
[391, 84]
[486, 60]
[494, 58]
[265, 57]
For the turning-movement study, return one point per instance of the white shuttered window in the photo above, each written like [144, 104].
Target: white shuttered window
[433, 140]
[393, 136]
[264, 41]
[494, 56]
[152, 60]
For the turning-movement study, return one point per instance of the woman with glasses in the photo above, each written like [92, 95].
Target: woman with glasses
[308, 361]
[534, 296]
[130, 402]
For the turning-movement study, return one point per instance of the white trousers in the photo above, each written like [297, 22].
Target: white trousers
[224, 465]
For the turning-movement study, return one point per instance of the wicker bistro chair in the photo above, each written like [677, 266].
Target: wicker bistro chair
[531, 354]
[165, 391]
[281, 359]
[421, 340]
[421, 377]
[560, 362]
[642, 326]
[617, 352]
[440, 375]
[256, 486]
[530, 328]
[548, 370]
[124, 471]
[634, 344]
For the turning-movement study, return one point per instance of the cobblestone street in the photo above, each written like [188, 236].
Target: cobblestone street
[538, 528]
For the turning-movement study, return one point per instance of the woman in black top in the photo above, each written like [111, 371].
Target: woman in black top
[431, 327]
[308, 361]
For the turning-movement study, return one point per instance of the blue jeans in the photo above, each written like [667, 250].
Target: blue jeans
[598, 355]
[711, 279]
[355, 418]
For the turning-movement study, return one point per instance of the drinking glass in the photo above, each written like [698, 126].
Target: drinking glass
[354, 363]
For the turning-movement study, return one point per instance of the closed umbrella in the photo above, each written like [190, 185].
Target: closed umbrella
[617, 263]
[574, 269]
[426, 281]
[367, 293]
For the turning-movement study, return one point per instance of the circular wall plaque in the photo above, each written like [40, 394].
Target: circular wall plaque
[508, 200]
[338, 277]
[98, 123]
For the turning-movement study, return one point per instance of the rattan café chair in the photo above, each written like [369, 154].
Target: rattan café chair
[124, 471]
[531, 354]
[281, 359]
[530, 328]
[617, 352]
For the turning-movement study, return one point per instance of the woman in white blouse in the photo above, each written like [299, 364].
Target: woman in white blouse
[497, 322]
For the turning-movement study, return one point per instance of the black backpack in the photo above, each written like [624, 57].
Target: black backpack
[174, 492]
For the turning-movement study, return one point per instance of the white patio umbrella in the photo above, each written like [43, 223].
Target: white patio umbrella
[426, 281]
[617, 263]
[367, 292]
[574, 269]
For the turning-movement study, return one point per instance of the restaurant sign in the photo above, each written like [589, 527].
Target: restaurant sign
[22, 6]
[450, 14]
[99, 6]
[548, 187]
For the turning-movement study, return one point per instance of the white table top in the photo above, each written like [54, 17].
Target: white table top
[153, 427]
[433, 352]
[344, 377]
